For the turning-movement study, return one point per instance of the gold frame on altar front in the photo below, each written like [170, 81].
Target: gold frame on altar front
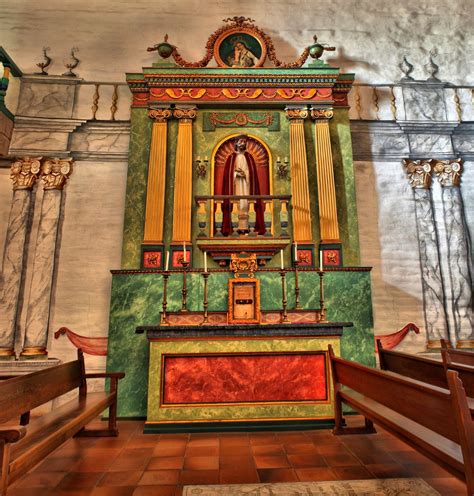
[247, 281]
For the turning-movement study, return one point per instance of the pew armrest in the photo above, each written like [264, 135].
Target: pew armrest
[12, 434]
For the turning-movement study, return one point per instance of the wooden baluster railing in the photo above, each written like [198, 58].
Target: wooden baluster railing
[252, 218]
[202, 218]
[267, 217]
[284, 217]
[234, 217]
[218, 218]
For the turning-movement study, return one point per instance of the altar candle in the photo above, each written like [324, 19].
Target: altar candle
[199, 158]
[281, 257]
[167, 264]
[184, 251]
[296, 252]
[205, 261]
[321, 261]
[278, 159]
[206, 158]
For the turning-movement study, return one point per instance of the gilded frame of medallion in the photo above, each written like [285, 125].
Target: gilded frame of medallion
[240, 30]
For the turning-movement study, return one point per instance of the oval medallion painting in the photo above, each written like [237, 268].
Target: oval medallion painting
[239, 49]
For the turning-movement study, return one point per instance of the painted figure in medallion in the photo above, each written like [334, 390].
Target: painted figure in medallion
[242, 56]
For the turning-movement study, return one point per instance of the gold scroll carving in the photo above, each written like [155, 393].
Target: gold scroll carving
[24, 172]
[419, 173]
[328, 225]
[155, 196]
[299, 175]
[183, 182]
[55, 172]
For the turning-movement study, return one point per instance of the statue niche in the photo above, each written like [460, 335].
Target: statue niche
[241, 168]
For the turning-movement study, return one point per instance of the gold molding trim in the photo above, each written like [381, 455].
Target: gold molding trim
[7, 352]
[32, 351]
[465, 343]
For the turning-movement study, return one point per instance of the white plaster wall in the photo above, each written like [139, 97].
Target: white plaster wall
[371, 35]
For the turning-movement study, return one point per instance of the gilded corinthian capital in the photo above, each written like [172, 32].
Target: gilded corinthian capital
[24, 172]
[419, 173]
[448, 172]
[55, 171]
[185, 114]
[321, 113]
[160, 114]
[294, 113]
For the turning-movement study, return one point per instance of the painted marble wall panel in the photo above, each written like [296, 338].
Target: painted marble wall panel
[423, 103]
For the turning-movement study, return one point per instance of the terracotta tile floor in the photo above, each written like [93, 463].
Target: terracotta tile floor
[147, 464]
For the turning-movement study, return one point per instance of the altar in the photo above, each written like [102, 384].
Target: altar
[240, 377]
[240, 257]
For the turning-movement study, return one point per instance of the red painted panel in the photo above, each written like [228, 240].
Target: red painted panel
[244, 378]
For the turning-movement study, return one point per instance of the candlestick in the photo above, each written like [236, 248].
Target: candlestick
[284, 314]
[281, 260]
[167, 264]
[297, 286]
[296, 251]
[184, 291]
[164, 317]
[205, 302]
[205, 261]
[321, 268]
[322, 309]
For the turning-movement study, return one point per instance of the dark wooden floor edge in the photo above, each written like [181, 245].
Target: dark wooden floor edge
[283, 425]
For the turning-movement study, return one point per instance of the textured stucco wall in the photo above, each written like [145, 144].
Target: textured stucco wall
[371, 35]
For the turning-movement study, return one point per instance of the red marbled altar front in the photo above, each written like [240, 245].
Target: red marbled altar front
[244, 378]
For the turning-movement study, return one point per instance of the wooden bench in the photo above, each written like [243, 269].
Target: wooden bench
[23, 446]
[456, 356]
[428, 370]
[437, 422]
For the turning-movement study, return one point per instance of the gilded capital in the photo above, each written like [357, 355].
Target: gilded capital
[321, 113]
[55, 172]
[448, 172]
[25, 172]
[185, 114]
[419, 173]
[295, 113]
[160, 114]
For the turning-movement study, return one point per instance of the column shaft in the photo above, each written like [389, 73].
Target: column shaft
[155, 195]
[183, 182]
[329, 227]
[24, 174]
[54, 175]
[302, 231]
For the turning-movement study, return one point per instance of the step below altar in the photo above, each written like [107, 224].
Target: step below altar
[220, 376]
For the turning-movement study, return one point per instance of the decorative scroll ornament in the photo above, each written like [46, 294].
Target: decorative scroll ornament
[419, 173]
[160, 114]
[243, 264]
[185, 114]
[241, 119]
[54, 172]
[432, 68]
[72, 65]
[44, 65]
[407, 69]
[448, 172]
[296, 113]
[24, 172]
[239, 30]
[321, 113]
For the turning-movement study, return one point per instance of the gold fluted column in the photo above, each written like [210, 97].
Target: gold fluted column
[328, 225]
[183, 182]
[155, 193]
[299, 175]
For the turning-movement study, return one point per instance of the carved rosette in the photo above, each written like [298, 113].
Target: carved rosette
[321, 113]
[55, 172]
[160, 114]
[295, 113]
[448, 172]
[185, 114]
[419, 173]
[25, 172]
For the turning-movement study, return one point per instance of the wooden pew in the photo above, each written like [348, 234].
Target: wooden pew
[437, 422]
[23, 446]
[426, 369]
[456, 356]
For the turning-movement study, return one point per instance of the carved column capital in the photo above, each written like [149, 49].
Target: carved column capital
[25, 172]
[322, 113]
[419, 173]
[160, 114]
[185, 114]
[448, 172]
[295, 113]
[55, 172]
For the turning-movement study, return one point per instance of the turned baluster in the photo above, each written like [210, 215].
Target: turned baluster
[267, 217]
[284, 217]
[234, 217]
[218, 218]
[252, 218]
[202, 218]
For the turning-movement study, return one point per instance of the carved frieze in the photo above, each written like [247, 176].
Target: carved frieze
[419, 173]
[448, 172]
[55, 172]
[25, 172]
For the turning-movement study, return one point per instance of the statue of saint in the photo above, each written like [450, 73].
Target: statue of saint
[240, 179]
[243, 56]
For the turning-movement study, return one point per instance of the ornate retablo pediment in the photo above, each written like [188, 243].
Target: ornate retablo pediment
[240, 44]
